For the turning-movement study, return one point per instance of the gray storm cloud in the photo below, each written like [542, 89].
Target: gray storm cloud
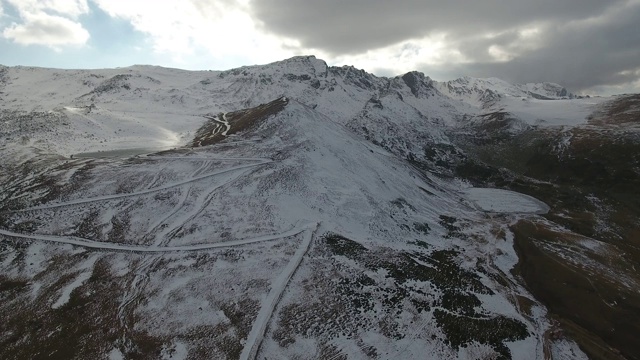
[605, 52]
[580, 43]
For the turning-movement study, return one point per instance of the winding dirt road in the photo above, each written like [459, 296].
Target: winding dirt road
[71, 240]
[143, 192]
[162, 236]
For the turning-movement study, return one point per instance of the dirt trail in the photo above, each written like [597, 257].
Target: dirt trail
[144, 192]
[150, 249]
[254, 340]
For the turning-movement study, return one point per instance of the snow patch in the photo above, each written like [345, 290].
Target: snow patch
[115, 354]
[35, 258]
[565, 350]
[80, 279]
[178, 351]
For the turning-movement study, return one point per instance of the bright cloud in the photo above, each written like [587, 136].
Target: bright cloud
[67, 8]
[49, 30]
[224, 29]
[48, 22]
[402, 57]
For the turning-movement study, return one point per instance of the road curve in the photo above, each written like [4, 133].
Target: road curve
[252, 345]
[143, 192]
[72, 240]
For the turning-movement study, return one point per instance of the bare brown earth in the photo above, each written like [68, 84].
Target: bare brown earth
[240, 121]
[624, 110]
[594, 304]
[95, 320]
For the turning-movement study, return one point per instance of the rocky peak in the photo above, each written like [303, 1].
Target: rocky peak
[548, 90]
[420, 85]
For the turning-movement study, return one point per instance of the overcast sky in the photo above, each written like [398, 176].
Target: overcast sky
[589, 46]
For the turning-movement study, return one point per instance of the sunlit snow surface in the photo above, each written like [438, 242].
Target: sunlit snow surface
[563, 112]
[505, 201]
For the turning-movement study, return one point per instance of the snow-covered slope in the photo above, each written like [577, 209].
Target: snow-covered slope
[524, 105]
[75, 111]
[297, 210]
[487, 92]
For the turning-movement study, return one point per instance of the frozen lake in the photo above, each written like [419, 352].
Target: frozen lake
[505, 201]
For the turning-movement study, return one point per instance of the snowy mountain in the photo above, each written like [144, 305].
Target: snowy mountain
[488, 92]
[298, 210]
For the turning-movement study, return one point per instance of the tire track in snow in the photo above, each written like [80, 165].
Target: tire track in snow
[200, 204]
[205, 163]
[177, 208]
[159, 173]
[142, 192]
[153, 228]
[155, 179]
[135, 286]
[193, 158]
[227, 142]
[132, 297]
[254, 340]
[71, 240]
